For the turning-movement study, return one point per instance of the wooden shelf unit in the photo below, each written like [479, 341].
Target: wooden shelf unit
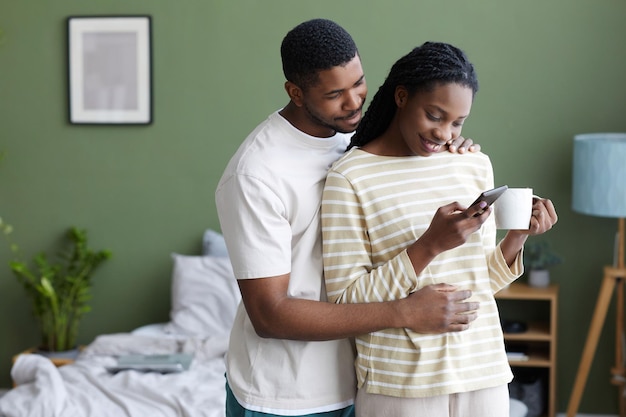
[540, 335]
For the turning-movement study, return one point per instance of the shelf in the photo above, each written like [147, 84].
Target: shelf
[537, 331]
[518, 291]
[531, 363]
[539, 340]
[537, 358]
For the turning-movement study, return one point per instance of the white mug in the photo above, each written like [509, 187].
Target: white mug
[513, 209]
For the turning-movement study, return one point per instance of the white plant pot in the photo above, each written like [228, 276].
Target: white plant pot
[539, 278]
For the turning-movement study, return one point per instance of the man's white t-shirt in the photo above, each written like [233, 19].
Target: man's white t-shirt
[268, 201]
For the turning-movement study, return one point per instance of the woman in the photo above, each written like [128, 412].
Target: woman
[388, 231]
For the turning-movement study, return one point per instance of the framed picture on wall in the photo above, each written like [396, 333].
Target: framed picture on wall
[109, 69]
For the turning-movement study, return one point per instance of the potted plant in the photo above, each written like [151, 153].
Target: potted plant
[538, 258]
[61, 290]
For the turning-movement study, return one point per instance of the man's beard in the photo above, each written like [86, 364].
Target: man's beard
[321, 122]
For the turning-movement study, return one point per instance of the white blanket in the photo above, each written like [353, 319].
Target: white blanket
[86, 389]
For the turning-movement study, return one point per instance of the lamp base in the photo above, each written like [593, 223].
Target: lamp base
[613, 281]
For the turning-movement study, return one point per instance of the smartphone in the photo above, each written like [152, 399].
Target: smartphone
[489, 197]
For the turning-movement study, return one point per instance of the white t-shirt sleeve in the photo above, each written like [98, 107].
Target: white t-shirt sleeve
[255, 227]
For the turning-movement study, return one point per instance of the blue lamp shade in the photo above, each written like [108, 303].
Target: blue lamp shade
[599, 174]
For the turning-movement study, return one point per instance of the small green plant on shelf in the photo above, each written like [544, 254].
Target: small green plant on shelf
[538, 255]
[61, 290]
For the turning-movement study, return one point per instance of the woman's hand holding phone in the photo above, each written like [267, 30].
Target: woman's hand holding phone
[489, 197]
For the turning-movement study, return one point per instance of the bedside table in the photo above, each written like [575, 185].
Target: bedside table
[57, 358]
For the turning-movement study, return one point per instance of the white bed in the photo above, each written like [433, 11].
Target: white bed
[204, 300]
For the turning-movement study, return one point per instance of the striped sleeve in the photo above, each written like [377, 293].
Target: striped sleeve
[349, 273]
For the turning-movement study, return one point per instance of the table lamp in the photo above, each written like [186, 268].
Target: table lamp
[599, 189]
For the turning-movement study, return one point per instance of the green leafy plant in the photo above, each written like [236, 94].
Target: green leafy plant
[539, 255]
[61, 290]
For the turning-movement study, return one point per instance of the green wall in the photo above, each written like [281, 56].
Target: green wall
[548, 70]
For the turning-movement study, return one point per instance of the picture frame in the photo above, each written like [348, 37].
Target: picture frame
[110, 69]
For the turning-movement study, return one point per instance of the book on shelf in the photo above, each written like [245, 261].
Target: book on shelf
[517, 356]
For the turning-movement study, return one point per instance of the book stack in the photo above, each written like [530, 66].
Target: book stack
[517, 352]
[516, 356]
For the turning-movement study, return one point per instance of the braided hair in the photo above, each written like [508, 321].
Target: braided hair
[314, 46]
[424, 68]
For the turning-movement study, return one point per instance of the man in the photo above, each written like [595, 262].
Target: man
[289, 350]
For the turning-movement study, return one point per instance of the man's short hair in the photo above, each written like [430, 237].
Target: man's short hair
[313, 46]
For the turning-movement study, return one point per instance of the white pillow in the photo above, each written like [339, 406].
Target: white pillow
[205, 296]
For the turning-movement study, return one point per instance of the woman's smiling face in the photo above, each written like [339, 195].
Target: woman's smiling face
[428, 119]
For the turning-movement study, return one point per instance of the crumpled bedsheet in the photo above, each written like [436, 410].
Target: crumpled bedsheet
[86, 389]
